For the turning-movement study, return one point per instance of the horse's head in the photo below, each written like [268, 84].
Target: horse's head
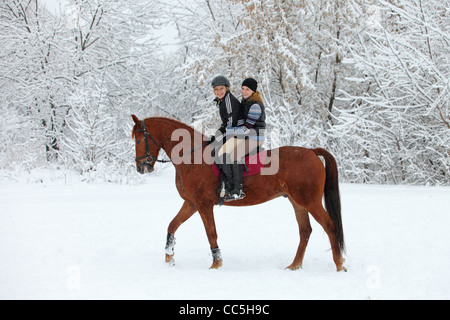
[147, 149]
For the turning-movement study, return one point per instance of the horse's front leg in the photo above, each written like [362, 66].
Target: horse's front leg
[207, 215]
[186, 211]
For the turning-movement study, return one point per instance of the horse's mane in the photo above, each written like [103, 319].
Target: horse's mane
[177, 123]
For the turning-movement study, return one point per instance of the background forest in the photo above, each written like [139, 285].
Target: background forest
[367, 80]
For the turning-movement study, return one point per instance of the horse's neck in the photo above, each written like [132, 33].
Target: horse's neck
[183, 136]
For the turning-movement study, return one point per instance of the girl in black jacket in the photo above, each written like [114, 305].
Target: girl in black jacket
[230, 109]
[232, 116]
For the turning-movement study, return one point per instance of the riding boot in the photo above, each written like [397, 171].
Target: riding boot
[227, 171]
[237, 193]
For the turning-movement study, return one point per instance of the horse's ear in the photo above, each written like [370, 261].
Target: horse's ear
[135, 119]
[137, 126]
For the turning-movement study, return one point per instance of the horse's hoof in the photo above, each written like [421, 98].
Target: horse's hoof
[293, 267]
[342, 269]
[170, 261]
[217, 264]
[340, 266]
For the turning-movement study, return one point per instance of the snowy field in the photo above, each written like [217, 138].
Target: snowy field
[70, 240]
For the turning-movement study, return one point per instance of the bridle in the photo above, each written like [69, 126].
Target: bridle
[149, 160]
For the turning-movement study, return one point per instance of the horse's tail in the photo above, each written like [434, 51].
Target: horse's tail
[332, 195]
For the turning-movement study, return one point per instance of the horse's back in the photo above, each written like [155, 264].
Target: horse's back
[287, 170]
[294, 159]
[302, 165]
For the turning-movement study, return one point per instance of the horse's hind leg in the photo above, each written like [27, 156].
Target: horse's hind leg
[322, 217]
[186, 211]
[305, 229]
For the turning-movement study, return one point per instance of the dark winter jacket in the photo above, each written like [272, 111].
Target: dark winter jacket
[231, 112]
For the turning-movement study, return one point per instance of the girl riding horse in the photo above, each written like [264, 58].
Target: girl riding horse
[243, 125]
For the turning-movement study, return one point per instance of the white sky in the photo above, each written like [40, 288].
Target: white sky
[54, 5]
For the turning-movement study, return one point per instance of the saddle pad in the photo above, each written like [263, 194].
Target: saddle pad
[254, 164]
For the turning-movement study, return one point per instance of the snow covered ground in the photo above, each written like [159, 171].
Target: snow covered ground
[70, 240]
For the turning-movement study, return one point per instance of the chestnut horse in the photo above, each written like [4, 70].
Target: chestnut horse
[301, 177]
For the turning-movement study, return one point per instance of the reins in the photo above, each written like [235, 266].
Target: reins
[147, 147]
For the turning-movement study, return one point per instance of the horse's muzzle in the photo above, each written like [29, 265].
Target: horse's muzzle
[145, 167]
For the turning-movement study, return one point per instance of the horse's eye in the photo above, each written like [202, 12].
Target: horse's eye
[138, 142]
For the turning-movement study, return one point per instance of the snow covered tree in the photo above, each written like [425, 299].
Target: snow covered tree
[112, 77]
[95, 61]
[295, 49]
[401, 119]
[30, 88]
[200, 25]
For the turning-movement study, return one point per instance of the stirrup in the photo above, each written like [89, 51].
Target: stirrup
[234, 196]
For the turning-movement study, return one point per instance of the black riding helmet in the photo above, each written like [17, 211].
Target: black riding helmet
[220, 81]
